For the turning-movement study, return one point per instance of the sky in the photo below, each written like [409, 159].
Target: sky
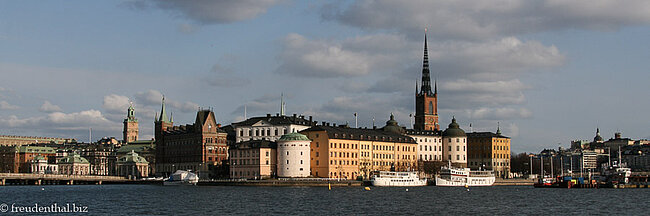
[547, 71]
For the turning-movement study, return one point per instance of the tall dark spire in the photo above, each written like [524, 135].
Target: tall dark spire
[426, 77]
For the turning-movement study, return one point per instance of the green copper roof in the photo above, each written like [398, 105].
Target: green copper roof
[132, 157]
[36, 149]
[73, 158]
[294, 137]
[454, 130]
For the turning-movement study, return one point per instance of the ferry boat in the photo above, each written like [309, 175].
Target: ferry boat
[464, 177]
[397, 179]
[182, 177]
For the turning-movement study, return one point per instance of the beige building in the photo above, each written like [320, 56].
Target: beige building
[454, 144]
[344, 152]
[8, 140]
[132, 166]
[253, 159]
[490, 151]
[429, 144]
[74, 164]
[39, 165]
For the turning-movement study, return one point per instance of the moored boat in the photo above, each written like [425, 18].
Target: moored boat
[461, 177]
[182, 177]
[397, 179]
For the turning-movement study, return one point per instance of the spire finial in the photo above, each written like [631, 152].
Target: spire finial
[498, 128]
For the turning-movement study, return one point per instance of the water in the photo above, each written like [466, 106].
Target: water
[225, 200]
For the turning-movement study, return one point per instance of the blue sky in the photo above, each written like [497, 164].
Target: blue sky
[548, 71]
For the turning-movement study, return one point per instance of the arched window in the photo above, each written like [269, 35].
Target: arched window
[430, 107]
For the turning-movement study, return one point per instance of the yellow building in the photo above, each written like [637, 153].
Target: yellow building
[489, 151]
[344, 152]
[254, 159]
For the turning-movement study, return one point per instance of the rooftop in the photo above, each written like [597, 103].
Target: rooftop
[344, 132]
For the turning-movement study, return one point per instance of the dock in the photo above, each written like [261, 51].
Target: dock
[54, 179]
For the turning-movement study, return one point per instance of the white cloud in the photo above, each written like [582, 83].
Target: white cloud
[326, 59]
[48, 107]
[209, 11]
[477, 20]
[4, 105]
[115, 104]
[59, 120]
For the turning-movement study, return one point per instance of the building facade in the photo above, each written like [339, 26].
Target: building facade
[18, 159]
[348, 153]
[454, 142]
[8, 140]
[74, 164]
[490, 151]
[269, 127]
[130, 132]
[293, 156]
[39, 165]
[253, 159]
[198, 147]
[429, 144]
[132, 166]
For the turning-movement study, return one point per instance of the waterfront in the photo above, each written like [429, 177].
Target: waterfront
[224, 200]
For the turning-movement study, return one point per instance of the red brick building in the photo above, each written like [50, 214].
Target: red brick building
[198, 147]
[18, 159]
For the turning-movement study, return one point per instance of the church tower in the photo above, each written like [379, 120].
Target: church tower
[161, 124]
[130, 132]
[426, 100]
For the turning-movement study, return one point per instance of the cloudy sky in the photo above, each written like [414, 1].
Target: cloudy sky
[549, 71]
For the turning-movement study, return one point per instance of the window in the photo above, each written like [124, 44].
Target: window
[287, 152]
[287, 161]
[430, 107]
[301, 162]
[267, 154]
[457, 148]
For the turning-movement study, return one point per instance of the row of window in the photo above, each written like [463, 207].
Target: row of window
[263, 132]
[430, 157]
[435, 140]
[430, 148]
[342, 162]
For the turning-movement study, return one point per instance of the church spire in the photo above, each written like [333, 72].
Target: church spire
[282, 104]
[426, 76]
[163, 113]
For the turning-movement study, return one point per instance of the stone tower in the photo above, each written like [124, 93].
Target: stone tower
[130, 132]
[426, 100]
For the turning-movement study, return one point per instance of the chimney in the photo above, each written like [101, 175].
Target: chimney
[218, 125]
[310, 119]
[334, 124]
[268, 115]
[294, 115]
[617, 135]
[374, 127]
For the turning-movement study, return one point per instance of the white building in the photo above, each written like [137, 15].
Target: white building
[270, 127]
[454, 142]
[39, 165]
[429, 144]
[293, 155]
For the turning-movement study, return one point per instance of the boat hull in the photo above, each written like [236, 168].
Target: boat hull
[484, 182]
[389, 183]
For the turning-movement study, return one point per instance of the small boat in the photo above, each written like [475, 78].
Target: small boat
[464, 177]
[182, 177]
[397, 179]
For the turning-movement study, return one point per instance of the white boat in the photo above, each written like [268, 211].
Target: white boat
[182, 177]
[397, 179]
[461, 177]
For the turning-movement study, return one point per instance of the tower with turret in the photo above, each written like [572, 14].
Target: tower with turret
[130, 132]
[426, 99]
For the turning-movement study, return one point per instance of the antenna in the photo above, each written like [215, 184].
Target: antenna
[244, 111]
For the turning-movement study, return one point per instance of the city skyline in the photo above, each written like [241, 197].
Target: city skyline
[549, 72]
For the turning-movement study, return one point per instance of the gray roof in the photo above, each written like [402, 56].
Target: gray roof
[254, 144]
[276, 120]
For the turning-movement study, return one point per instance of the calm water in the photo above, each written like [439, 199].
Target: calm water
[157, 200]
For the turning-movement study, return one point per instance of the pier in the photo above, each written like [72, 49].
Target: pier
[53, 179]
